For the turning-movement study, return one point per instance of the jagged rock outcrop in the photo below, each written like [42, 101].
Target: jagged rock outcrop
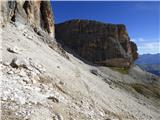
[100, 43]
[134, 50]
[36, 13]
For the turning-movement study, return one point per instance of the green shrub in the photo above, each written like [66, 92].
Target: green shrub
[121, 70]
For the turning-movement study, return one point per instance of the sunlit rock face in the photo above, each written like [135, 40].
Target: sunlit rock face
[100, 43]
[36, 13]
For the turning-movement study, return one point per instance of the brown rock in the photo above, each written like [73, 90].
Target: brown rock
[134, 50]
[100, 43]
[36, 13]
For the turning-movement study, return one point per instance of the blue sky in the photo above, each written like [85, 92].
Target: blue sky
[142, 19]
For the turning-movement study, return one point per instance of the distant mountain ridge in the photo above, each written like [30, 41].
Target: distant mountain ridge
[149, 59]
[150, 63]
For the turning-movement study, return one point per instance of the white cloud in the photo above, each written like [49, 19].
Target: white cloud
[147, 46]
[141, 40]
[137, 39]
[133, 39]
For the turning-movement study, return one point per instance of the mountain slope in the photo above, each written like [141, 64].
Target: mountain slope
[53, 86]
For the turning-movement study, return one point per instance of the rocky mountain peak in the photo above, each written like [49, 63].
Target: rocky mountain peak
[100, 43]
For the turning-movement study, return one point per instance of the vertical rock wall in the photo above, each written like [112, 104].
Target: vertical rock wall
[37, 13]
[100, 43]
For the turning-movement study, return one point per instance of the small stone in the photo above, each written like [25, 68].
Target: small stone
[25, 34]
[61, 83]
[101, 113]
[72, 118]
[4, 98]
[95, 72]
[27, 81]
[29, 37]
[10, 72]
[108, 119]
[13, 50]
[22, 73]
[6, 63]
[54, 99]
[58, 117]
[16, 63]
[33, 81]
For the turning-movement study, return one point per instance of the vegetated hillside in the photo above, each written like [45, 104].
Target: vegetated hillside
[150, 63]
[41, 81]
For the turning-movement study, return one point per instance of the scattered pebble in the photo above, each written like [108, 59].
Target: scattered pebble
[95, 72]
[54, 99]
[58, 117]
[14, 49]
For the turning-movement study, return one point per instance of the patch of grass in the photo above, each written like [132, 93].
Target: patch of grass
[120, 70]
[147, 90]
[139, 88]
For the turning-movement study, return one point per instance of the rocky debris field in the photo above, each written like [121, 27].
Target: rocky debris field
[39, 82]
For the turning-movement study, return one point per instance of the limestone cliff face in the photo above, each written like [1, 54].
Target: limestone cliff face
[100, 43]
[37, 13]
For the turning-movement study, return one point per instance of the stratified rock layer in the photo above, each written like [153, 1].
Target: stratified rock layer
[100, 43]
[36, 13]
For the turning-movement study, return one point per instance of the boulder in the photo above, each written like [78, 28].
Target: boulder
[18, 63]
[99, 43]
